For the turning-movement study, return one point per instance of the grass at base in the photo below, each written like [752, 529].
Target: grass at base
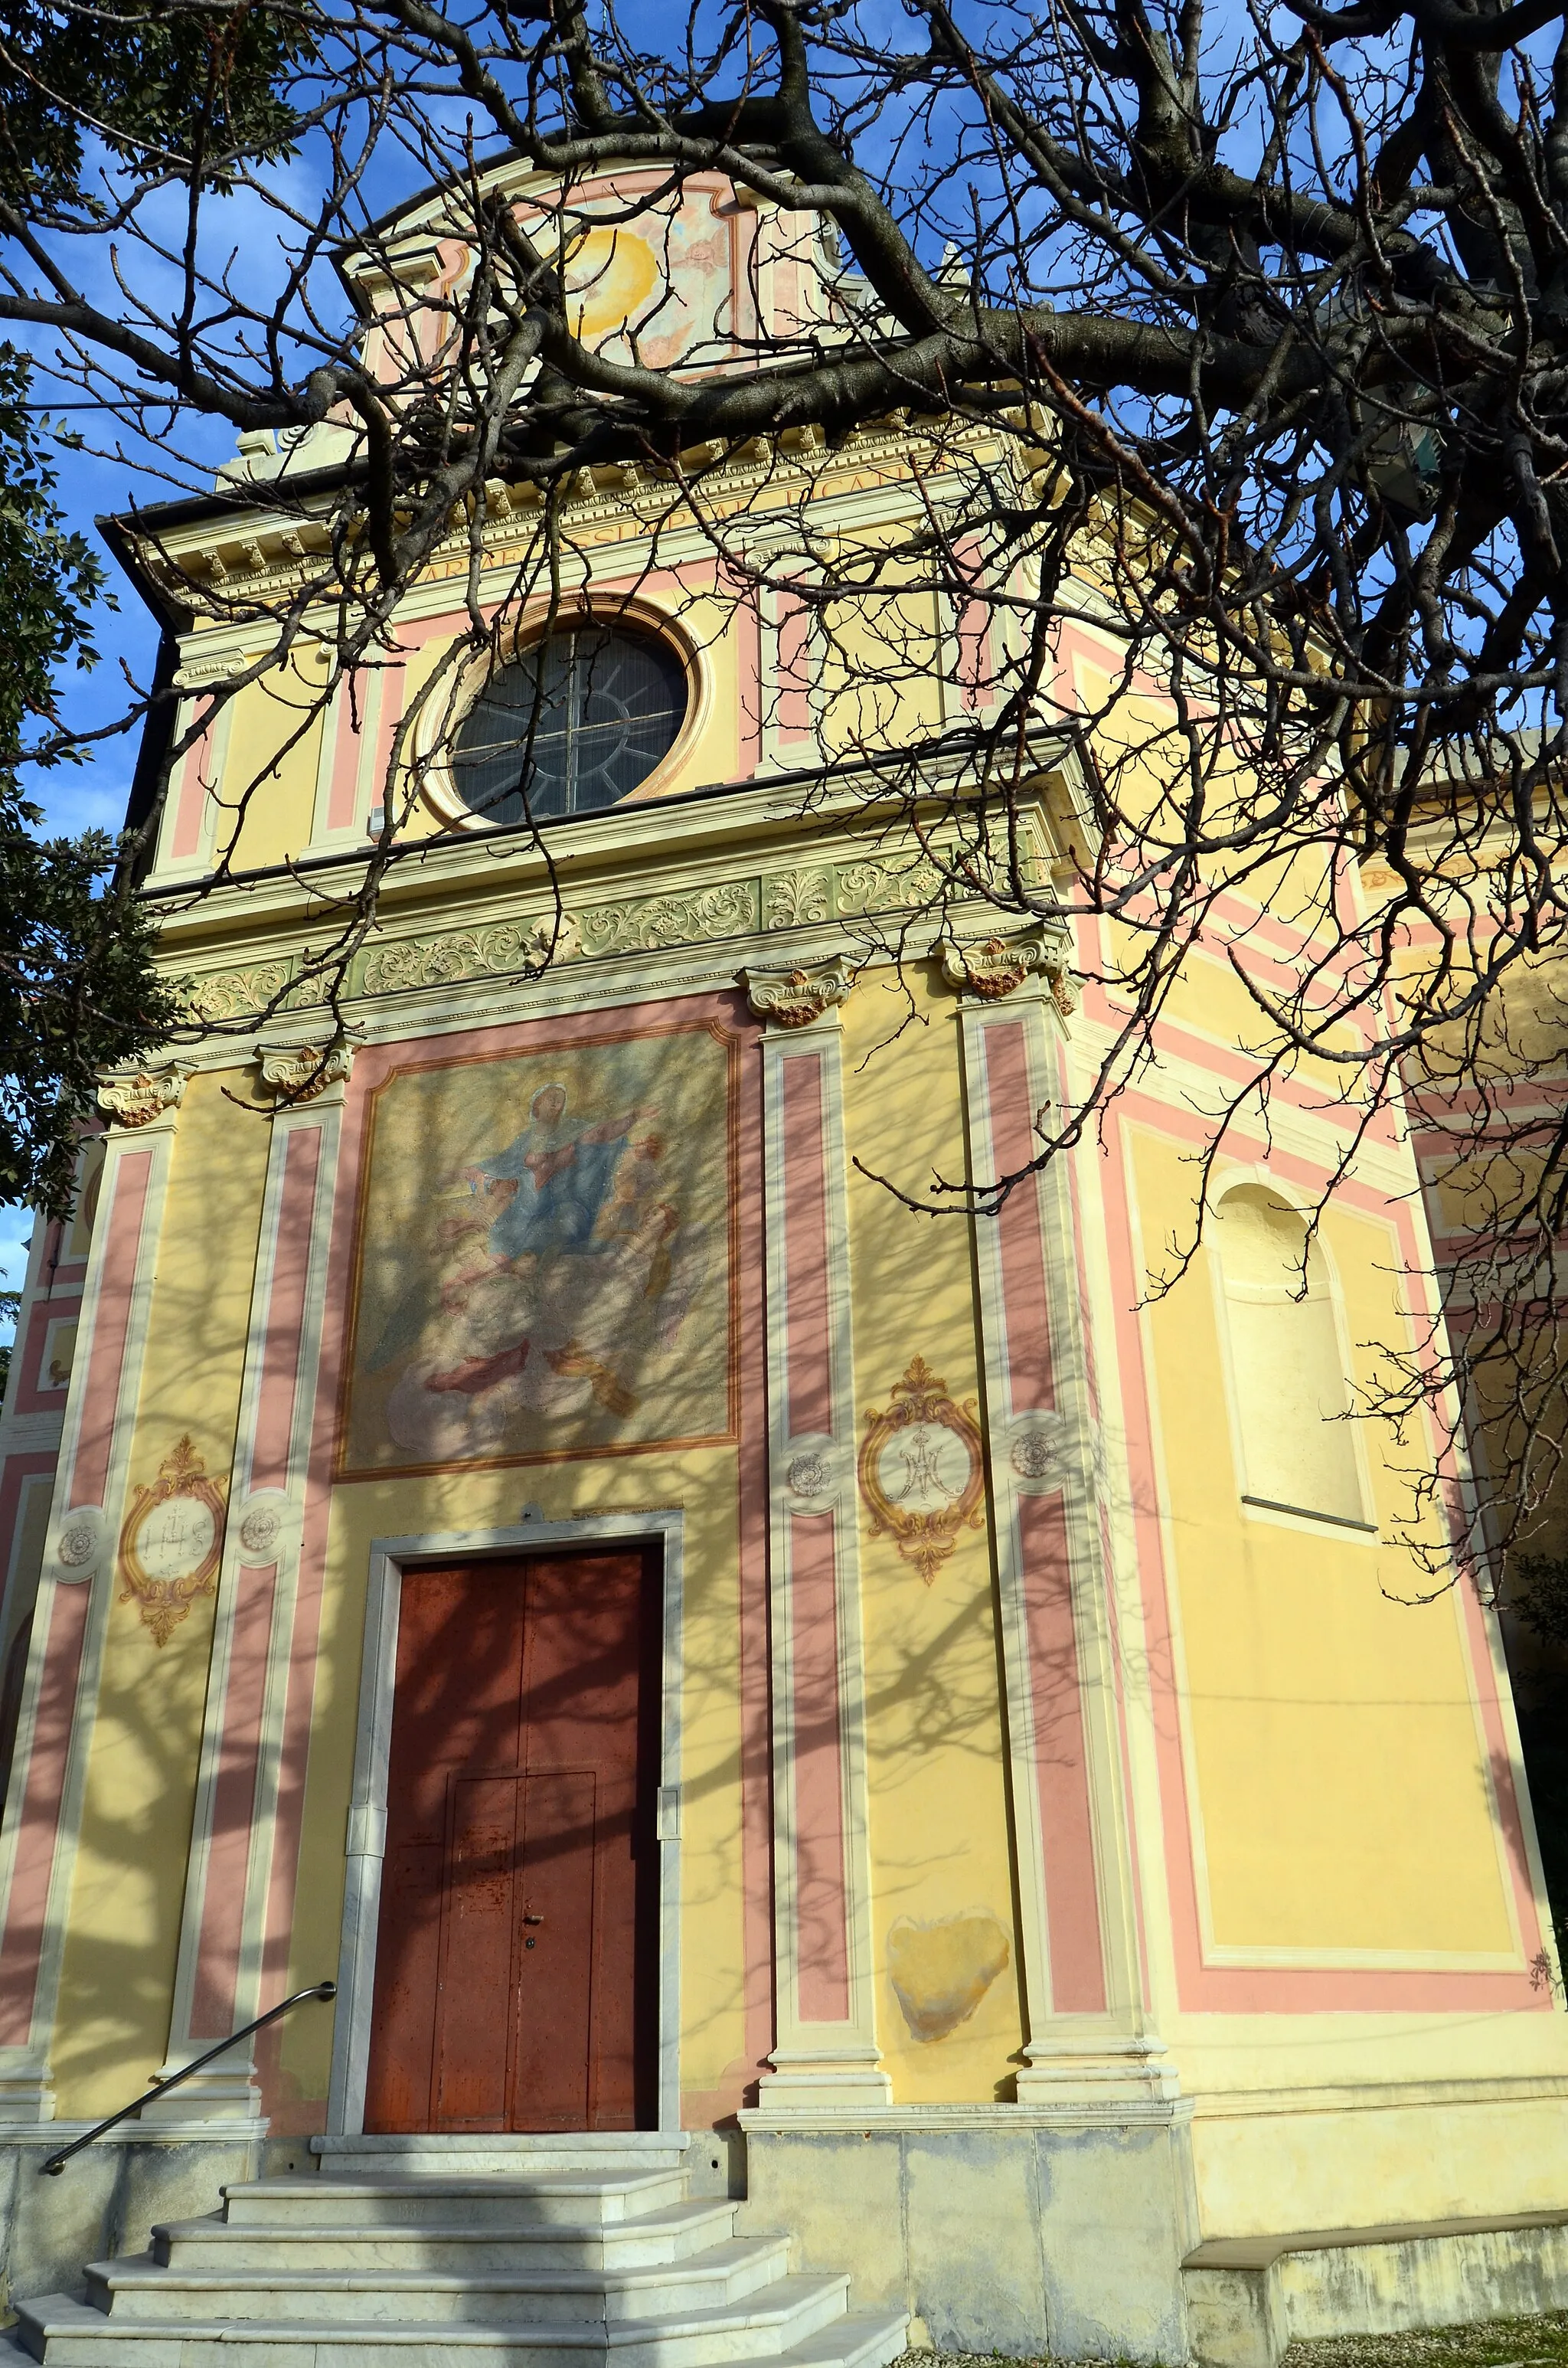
[1489, 2343]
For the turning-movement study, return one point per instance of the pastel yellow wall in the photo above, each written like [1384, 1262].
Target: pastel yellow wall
[126, 1899]
[269, 788]
[1340, 1775]
[936, 1750]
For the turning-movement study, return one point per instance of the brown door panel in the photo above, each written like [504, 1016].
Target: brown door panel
[517, 1966]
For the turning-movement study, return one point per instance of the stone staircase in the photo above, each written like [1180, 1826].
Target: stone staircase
[508, 2252]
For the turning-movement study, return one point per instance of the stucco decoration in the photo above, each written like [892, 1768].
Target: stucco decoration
[138, 1100]
[815, 1472]
[172, 1541]
[794, 900]
[1036, 1451]
[994, 966]
[793, 998]
[895, 884]
[922, 1470]
[80, 1545]
[236, 993]
[266, 1525]
[543, 1264]
[299, 1072]
[648, 922]
[941, 1970]
[526, 945]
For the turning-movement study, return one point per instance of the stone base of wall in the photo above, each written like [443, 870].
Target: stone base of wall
[1248, 2298]
[106, 2200]
[997, 2231]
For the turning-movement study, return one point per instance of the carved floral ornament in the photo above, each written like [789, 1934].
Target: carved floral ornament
[267, 1524]
[795, 998]
[137, 1099]
[80, 1544]
[994, 966]
[172, 1541]
[922, 1469]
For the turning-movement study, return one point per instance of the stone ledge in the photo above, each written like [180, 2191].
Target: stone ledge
[1249, 2297]
[1260, 2252]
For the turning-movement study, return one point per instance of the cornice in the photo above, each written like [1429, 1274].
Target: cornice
[794, 817]
[837, 894]
[265, 550]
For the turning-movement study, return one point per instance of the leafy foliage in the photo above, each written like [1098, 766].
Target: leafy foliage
[1540, 1596]
[169, 89]
[77, 990]
[50, 577]
[77, 995]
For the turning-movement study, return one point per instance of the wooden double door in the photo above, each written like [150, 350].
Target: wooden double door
[517, 1961]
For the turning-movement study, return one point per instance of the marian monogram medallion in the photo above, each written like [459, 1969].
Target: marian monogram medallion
[922, 1471]
[172, 1541]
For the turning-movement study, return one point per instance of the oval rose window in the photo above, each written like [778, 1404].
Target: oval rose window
[572, 725]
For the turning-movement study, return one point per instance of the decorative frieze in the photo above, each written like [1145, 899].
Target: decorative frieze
[647, 924]
[895, 884]
[225, 995]
[796, 900]
[802, 896]
[793, 998]
[522, 945]
[136, 1100]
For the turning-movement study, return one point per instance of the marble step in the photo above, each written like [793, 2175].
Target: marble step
[726, 2277]
[213, 2243]
[520, 2154]
[499, 2199]
[66, 2334]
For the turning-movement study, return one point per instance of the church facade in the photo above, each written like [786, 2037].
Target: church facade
[510, 1512]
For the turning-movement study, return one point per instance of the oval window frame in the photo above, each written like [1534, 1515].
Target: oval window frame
[439, 790]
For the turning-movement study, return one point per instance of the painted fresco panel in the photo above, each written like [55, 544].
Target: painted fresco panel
[544, 1264]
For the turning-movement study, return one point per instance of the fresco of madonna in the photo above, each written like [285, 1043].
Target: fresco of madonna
[543, 1263]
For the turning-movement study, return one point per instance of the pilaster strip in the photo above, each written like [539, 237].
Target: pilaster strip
[1087, 2040]
[1037, 1531]
[826, 2049]
[54, 1735]
[822, 1904]
[219, 1969]
[191, 824]
[221, 1935]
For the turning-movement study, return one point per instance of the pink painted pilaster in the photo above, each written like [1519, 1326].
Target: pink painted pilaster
[826, 2051]
[21, 1945]
[1078, 1923]
[283, 1330]
[58, 1695]
[86, 1479]
[213, 2010]
[821, 1908]
[219, 1973]
[194, 779]
[808, 1352]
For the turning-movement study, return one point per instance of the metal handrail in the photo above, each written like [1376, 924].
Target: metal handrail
[57, 2162]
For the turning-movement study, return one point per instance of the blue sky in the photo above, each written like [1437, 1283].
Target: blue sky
[94, 795]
